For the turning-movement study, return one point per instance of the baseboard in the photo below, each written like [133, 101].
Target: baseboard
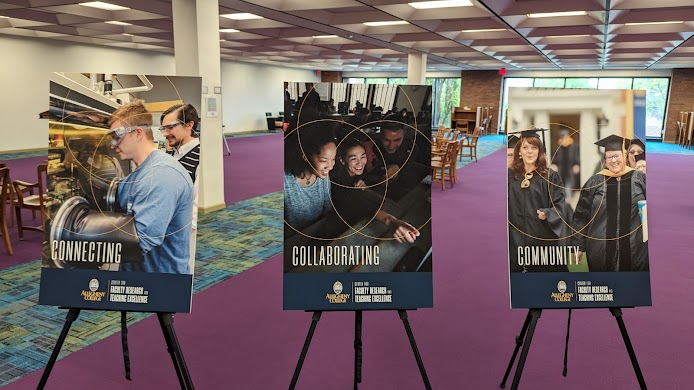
[24, 150]
[209, 209]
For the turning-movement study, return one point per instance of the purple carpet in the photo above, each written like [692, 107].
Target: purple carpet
[239, 338]
[254, 167]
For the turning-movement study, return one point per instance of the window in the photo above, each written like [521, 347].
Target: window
[446, 96]
[549, 83]
[656, 93]
[656, 99]
[581, 83]
[614, 83]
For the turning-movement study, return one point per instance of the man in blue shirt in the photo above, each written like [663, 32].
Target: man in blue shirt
[158, 193]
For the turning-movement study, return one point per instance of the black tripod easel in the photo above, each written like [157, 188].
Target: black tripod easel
[526, 336]
[357, 348]
[172, 345]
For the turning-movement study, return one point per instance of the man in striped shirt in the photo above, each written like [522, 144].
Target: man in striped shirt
[179, 125]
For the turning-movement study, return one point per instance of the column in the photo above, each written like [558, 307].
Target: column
[196, 45]
[416, 69]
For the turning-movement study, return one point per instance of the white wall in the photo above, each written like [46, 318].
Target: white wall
[24, 70]
[248, 90]
[251, 90]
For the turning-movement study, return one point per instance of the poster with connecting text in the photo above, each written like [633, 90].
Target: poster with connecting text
[117, 192]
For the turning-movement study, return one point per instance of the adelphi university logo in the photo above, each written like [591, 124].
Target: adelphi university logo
[562, 295]
[93, 295]
[337, 296]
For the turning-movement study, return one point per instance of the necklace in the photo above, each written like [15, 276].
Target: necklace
[308, 179]
[526, 181]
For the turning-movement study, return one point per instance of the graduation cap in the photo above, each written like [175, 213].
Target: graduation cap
[612, 143]
[637, 142]
[512, 141]
[530, 133]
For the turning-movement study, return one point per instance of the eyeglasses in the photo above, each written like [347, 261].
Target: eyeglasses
[119, 133]
[613, 157]
[170, 127]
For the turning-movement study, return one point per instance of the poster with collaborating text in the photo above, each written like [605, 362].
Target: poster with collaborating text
[577, 204]
[357, 197]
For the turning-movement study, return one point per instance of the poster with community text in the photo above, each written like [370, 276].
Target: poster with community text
[577, 204]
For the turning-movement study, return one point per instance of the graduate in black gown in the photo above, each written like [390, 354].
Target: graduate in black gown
[510, 149]
[607, 215]
[536, 210]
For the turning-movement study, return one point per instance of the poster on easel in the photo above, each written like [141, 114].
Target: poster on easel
[357, 197]
[118, 209]
[577, 207]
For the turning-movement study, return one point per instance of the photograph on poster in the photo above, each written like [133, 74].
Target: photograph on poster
[357, 196]
[120, 195]
[577, 214]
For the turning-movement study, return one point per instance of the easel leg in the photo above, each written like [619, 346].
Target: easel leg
[174, 348]
[72, 315]
[304, 350]
[408, 329]
[566, 346]
[357, 348]
[535, 316]
[124, 343]
[617, 313]
[519, 343]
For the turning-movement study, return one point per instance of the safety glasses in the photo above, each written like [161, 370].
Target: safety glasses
[119, 133]
[170, 127]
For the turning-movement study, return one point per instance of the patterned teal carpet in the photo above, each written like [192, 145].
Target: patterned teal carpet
[230, 241]
[663, 148]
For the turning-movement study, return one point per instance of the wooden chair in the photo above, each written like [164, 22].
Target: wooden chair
[8, 201]
[26, 199]
[681, 127]
[5, 194]
[469, 144]
[688, 129]
[443, 163]
[439, 133]
[463, 125]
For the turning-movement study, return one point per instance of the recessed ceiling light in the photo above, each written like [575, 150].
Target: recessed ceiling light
[127, 34]
[325, 36]
[441, 4]
[117, 23]
[229, 30]
[242, 16]
[102, 5]
[484, 30]
[391, 23]
[645, 23]
[553, 14]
